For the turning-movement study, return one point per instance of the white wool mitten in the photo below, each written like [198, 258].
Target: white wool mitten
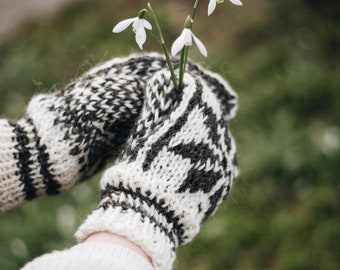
[177, 166]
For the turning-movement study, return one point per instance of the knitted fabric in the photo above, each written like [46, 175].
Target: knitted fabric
[177, 166]
[91, 256]
[67, 136]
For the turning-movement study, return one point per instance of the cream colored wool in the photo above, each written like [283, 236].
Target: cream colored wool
[67, 136]
[91, 256]
[177, 166]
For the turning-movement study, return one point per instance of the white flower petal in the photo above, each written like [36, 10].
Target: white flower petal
[140, 36]
[236, 2]
[178, 44]
[146, 24]
[211, 7]
[121, 26]
[187, 33]
[137, 24]
[200, 46]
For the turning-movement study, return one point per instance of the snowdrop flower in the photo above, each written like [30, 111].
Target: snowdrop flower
[185, 39]
[138, 26]
[212, 4]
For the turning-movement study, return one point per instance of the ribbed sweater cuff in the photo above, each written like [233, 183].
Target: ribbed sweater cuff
[89, 256]
[131, 225]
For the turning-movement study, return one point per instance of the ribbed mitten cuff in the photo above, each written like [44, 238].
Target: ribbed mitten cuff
[126, 216]
[26, 167]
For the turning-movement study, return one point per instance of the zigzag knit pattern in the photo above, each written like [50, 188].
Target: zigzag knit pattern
[67, 136]
[177, 166]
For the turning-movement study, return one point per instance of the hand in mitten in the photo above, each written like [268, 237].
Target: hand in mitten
[66, 136]
[177, 166]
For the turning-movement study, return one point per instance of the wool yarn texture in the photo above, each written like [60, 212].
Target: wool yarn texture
[67, 136]
[177, 166]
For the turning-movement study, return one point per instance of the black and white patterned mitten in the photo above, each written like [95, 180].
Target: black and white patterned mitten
[66, 136]
[177, 166]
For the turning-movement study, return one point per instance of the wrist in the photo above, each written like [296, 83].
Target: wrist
[111, 238]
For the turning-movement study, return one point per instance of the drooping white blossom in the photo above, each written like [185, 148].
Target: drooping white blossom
[185, 39]
[138, 26]
[213, 3]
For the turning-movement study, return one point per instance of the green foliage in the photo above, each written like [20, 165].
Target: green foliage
[281, 56]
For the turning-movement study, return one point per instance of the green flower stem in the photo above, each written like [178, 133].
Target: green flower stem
[185, 51]
[166, 52]
[194, 10]
[182, 64]
[142, 13]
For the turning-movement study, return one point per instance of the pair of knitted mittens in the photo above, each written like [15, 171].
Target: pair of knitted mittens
[176, 158]
[68, 135]
[176, 167]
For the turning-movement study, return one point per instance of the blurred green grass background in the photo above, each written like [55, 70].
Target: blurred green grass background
[282, 57]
